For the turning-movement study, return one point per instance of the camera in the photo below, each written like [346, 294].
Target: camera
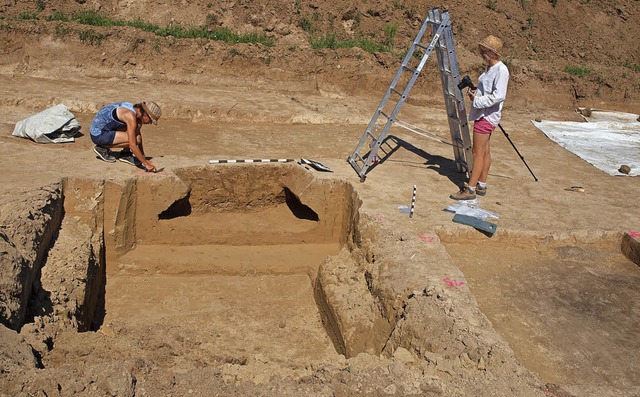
[466, 82]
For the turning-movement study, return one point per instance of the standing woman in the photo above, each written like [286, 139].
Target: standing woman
[486, 108]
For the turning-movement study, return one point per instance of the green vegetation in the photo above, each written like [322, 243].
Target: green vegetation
[306, 25]
[28, 16]
[91, 36]
[577, 71]
[553, 2]
[61, 31]
[221, 34]
[390, 31]
[40, 5]
[635, 68]
[58, 16]
[531, 22]
[492, 5]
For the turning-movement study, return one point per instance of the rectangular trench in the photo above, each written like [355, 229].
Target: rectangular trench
[221, 265]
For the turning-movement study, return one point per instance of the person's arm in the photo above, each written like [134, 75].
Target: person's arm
[497, 95]
[133, 129]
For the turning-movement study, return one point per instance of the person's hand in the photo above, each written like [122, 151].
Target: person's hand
[471, 94]
[150, 167]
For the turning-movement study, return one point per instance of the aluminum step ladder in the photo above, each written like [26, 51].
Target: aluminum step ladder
[441, 40]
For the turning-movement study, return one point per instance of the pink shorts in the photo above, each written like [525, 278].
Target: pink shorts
[482, 126]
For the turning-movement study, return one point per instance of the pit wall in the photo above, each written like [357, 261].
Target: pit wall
[27, 228]
[630, 247]
[203, 192]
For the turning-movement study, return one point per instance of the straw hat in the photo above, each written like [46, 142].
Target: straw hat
[153, 110]
[492, 43]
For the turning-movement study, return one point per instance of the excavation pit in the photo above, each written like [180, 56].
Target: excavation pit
[212, 265]
[227, 268]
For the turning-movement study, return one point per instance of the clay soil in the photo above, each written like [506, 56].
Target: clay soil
[278, 279]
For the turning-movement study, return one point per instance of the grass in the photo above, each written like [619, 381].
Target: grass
[221, 34]
[628, 64]
[390, 31]
[28, 16]
[577, 71]
[91, 37]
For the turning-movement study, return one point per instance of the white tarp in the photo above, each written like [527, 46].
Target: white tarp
[53, 125]
[606, 140]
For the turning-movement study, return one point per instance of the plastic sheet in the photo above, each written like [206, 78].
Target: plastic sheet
[471, 209]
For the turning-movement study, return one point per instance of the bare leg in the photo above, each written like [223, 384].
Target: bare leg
[487, 163]
[481, 158]
[121, 140]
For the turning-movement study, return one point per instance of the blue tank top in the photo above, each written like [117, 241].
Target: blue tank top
[106, 120]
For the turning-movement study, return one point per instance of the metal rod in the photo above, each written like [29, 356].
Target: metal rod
[516, 149]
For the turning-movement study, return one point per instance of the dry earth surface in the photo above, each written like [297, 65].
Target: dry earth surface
[277, 279]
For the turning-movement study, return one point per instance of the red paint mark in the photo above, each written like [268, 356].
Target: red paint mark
[427, 239]
[634, 234]
[452, 282]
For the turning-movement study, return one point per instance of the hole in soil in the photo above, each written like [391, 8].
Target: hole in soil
[568, 310]
[180, 207]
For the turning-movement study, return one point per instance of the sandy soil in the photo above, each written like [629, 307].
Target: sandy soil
[225, 300]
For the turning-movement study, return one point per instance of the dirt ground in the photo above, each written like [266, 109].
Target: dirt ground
[277, 279]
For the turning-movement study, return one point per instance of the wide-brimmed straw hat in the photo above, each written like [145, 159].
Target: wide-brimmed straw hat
[153, 110]
[492, 43]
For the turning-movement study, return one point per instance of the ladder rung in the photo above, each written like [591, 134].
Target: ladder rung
[396, 91]
[384, 114]
[412, 70]
[424, 47]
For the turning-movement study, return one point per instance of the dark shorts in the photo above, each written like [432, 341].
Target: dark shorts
[104, 139]
[482, 126]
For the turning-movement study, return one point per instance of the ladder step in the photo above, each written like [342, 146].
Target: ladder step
[412, 70]
[384, 114]
[424, 47]
[396, 91]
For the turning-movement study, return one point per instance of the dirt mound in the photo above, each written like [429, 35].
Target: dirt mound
[552, 48]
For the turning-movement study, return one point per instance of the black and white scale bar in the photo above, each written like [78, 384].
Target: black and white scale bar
[413, 202]
[251, 161]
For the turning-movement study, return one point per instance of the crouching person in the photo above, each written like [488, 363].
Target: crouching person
[118, 125]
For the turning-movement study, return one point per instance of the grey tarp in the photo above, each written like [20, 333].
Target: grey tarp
[53, 125]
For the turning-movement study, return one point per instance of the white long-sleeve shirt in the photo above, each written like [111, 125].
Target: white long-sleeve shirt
[490, 95]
